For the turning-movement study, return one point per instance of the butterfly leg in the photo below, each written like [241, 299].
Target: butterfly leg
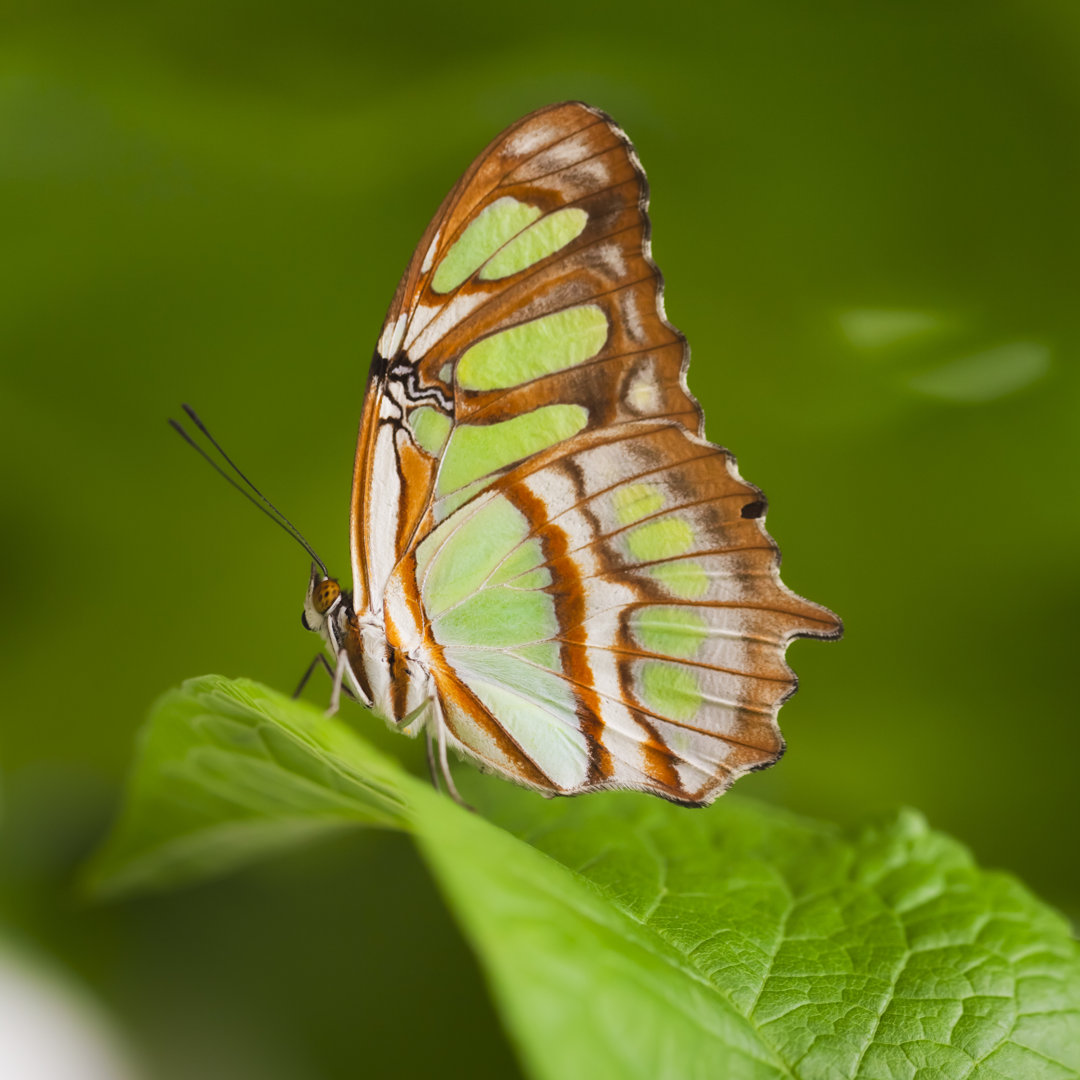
[432, 765]
[443, 764]
[339, 675]
[320, 659]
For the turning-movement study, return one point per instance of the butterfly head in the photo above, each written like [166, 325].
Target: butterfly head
[323, 596]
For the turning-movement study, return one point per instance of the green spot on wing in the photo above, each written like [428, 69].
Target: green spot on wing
[445, 505]
[685, 578]
[459, 556]
[535, 706]
[536, 242]
[534, 348]
[498, 617]
[632, 502]
[522, 560]
[540, 578]
[673, 631]
[670, 689]
[475, 450]
[664, 539]
[485, 234]
[430, 428]
[505, 667]
[545, 654]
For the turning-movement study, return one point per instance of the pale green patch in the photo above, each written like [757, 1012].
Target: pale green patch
[632, 502]
[552, 741]
[540, 578]
[547, 688]
[469, 552]
[535, 706]
[485, 234]
[430, 428]
[987, 375]
[878, 328]
[498, 617]
[429, 546]
[523, 559]
[671, 631]
[544, 654]
[447, 504]
[475, 450]
[670, 689]
[529, 350]
[685, 578]
[536, 242]
[664, 539]
[446, 373]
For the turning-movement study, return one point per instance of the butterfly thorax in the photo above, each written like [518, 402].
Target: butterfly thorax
[384, 662]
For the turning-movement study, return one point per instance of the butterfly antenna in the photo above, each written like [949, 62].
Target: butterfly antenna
[262, 502]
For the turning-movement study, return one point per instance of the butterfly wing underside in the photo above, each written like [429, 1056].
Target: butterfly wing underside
[599, 601]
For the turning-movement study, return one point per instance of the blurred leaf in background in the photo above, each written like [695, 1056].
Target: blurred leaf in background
[866, 215]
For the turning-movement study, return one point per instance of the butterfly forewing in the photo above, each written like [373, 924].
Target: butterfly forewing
[599, 603]
[532, 289]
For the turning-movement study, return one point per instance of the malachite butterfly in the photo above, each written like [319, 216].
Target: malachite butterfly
[555, 574]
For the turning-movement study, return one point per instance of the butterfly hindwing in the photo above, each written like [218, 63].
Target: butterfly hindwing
[615, 609]
[599, 602]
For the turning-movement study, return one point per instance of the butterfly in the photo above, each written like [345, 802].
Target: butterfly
[555, 574]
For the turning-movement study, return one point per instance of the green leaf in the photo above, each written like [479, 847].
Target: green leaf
[227, 772]
[631, 938]
[889, 955]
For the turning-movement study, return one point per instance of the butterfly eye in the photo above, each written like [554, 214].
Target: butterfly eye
[325, 595]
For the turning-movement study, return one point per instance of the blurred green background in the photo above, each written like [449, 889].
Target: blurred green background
[866, 212]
